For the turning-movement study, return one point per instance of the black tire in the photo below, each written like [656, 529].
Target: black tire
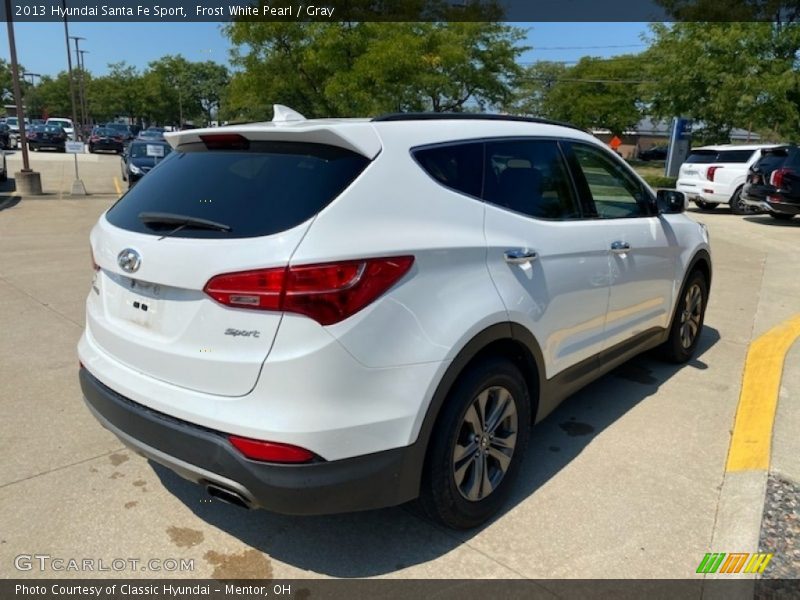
[781, 216]
[738, 207]
[676, 349]
[703, 205]
[440, 495]
[3, 176]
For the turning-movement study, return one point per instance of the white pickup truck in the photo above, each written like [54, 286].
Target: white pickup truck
[714, 175]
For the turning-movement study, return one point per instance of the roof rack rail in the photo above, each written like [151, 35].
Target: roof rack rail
[435, 116]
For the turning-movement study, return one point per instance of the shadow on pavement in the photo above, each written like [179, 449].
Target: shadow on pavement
[767, 220]
[383, 541]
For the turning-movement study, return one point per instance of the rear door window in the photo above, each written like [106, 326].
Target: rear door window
[266, 189]
[529, 177]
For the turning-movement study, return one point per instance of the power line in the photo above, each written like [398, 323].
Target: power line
[535, 48]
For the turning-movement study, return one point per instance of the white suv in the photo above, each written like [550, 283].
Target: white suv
[319, 316]
[714, 175]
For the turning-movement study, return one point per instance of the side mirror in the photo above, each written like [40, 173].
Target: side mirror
[671, 202]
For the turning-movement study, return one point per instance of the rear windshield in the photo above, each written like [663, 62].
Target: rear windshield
[721, 156]
[269, 188]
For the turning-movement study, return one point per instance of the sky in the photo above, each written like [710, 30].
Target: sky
[41, 48]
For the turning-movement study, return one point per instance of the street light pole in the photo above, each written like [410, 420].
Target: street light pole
[78, 189]
[83, 92]
[75, 123]
[27, 181]
[80, 77]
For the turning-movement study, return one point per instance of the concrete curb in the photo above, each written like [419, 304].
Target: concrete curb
[740, 509]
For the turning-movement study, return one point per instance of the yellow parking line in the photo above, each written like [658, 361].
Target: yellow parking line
[117, 185]
[761, 384]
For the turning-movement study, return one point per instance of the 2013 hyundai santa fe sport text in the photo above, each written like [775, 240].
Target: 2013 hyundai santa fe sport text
[319, 316]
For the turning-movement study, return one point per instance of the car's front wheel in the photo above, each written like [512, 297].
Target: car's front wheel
[687, 322]
[477, 445]
[703, 205]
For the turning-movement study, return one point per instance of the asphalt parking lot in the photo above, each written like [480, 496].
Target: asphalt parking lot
[626, 479]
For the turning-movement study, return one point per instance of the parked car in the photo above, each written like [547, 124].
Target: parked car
[773, 183]
[714, 175]
[654, 153]
[141, 156]
[3, 167]
[122, 129]
[46, 136]
[360, 313]
[107, 140]
[14, 135]
[64, 123]
[152, 133]
[38, 122]
[5, 137]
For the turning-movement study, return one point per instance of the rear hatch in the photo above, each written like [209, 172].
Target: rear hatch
[760, 177]
[200, 213]
[695, 170]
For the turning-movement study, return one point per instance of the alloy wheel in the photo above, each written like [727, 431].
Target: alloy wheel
[691, 315]
[485, 444]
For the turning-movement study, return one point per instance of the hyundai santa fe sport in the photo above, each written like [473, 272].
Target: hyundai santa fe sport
[321, 316]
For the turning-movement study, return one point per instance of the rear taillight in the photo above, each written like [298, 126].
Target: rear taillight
[710, 172]
[778, 176]
[328, 293]
[94, 138]
[270, 451]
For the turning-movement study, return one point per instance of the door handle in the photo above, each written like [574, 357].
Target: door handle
[620, 247]
[519, 256]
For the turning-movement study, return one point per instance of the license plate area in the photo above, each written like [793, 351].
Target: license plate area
[141, 301]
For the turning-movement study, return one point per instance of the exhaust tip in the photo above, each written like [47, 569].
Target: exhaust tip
[227, 495]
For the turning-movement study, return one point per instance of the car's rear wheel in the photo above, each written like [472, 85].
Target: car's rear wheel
[781, 216]
[477, 445]
[687, 322]
[703, 205]
[738, 207]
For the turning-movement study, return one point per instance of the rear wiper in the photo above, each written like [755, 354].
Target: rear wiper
[182, 222]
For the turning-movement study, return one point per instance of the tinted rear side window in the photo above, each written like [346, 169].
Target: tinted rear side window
[458, 166]
[269, 188]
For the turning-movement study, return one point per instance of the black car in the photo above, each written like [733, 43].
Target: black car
[46, 136]
[106, 139]
[654, 153]
[122, 129]
[773, 182]
[5, 136]
[140, 156]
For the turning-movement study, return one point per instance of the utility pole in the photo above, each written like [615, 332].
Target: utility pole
[78, 189]
[27, 181]
[85, 99]
[80, 79]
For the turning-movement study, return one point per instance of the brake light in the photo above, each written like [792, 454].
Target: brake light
[710, 172]
[225, 141]
[270, 451]
[328, 293]
[778, 176]
[94, 138]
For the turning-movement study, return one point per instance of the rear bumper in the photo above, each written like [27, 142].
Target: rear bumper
[704, 191]
[774, 207]
[204, 456]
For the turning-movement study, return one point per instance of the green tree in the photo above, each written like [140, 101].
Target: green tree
[726, 75]
[338, 69]
[118, 93]
[209, 80]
